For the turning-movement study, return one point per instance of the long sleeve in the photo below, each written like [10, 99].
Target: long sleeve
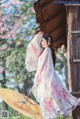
[44, 75]
[33, 52]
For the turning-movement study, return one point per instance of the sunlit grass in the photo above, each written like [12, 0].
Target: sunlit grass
[16, 115]
[13, 114]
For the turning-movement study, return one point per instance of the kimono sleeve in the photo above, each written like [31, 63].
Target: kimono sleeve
[33, 52]
[45, 73]
[45, 62]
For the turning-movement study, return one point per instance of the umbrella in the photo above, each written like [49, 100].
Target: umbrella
[21, 103]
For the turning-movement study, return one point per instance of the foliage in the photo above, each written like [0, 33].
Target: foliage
[17, 27]
[61, 65]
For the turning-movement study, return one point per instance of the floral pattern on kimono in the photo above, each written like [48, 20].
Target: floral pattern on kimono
[48, 89]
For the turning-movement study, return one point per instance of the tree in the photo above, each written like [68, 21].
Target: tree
[17, 25]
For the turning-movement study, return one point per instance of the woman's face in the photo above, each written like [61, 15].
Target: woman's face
[44, 43]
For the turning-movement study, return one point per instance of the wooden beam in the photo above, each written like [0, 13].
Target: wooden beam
[52, 10]
[45, 2]
[72, 4]
[61, 31]
[39, 17]
[57, 44]
[56, 22]
[37, 6]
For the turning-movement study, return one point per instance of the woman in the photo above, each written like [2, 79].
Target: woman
[49, 91]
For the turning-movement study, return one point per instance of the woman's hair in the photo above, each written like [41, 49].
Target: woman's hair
[49, 40]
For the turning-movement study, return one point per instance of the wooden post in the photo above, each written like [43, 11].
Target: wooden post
[73, 43]
[69, 24]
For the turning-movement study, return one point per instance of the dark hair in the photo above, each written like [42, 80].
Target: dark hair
[49, 40]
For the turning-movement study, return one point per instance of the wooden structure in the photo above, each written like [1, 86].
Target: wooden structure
[73, 20]
[52, 19]
[63, 22]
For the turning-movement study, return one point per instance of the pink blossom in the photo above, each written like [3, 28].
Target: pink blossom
[25, 18]
[2, 37]
[22, 38]
[27, 38]
[6, 29]
[18, 42]
[16, 25]
[5, 17]
[2, 30]
[4, 47]
[16, 2]
[10, 30]
[9, 41]
[32, 10]
[13, 33]
[1, 69]
[17, 31]
[6, 5]
[8, 35]
[1, 24]
[0, 13]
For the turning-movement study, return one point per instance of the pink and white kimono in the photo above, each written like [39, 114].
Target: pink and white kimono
[49, 91]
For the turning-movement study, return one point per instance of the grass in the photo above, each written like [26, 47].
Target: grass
[12, 114]
[15, 115]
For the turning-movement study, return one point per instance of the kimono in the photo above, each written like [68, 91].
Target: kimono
[48, 89]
